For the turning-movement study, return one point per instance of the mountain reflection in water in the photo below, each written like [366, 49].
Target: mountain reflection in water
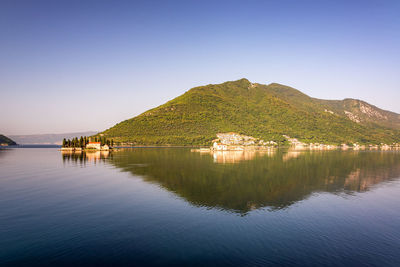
[252, 180]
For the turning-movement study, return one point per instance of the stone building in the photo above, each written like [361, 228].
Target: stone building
[94, 145]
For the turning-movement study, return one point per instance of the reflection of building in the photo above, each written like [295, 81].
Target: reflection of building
[85, 156]
[104, 154]
[96, 155]
[237, 156]
[291, 155]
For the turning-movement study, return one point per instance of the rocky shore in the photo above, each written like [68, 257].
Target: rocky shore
[316, 146]
[238, 142]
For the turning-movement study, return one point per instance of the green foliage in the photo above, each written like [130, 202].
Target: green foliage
[262, 111]
[84, 140]
[5, 140]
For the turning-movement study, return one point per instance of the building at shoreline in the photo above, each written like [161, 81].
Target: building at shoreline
[94, 145]
[97, 146]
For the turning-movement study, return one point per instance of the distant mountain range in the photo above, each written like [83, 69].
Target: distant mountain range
[47, 139]
[262, 111]
[4, 140]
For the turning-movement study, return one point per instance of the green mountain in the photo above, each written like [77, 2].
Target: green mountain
[263, 111]
[5, 140]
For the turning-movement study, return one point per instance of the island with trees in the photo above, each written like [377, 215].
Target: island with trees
[87, 143]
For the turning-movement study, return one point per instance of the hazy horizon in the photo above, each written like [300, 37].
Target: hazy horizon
[76, 66]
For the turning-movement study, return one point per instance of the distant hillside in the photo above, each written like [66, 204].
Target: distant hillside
[361, 112]
[263, 111]
[5, 140]
[47, 139]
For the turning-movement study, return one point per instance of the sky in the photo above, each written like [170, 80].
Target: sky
[69, 66]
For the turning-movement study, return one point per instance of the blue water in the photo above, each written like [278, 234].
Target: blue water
[171, 206]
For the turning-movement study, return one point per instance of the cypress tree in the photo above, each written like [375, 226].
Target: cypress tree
[64, 142]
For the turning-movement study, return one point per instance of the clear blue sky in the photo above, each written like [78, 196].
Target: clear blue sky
[85, 65]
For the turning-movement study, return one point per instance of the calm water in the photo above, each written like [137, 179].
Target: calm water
[176, 207]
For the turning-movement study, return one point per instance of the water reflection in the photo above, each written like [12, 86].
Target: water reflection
[238, 156]
[256, 180]
[83, 157]
[291, 155]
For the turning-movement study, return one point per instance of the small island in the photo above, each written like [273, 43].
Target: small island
[87, 143]
[6, 141]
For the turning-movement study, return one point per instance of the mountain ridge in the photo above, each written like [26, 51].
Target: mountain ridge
[48, 139]
[264, 111]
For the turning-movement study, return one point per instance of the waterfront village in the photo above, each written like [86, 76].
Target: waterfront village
[237, 142]
[87, 143]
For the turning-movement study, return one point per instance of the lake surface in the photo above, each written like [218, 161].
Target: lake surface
[170, 206]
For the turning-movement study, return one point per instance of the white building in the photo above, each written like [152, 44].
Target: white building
[94, 145]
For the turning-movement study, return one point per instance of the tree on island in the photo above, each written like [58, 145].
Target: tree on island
[84, 140]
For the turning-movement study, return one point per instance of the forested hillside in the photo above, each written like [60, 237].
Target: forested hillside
[263, 111]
